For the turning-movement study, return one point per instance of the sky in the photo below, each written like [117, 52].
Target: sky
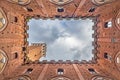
[65, 39]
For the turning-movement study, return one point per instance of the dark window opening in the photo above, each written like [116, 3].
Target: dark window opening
[108, 24]
[91, 70]
[60, 9]
[15, 19]
[23, 49]
[57, 16]
[29, 70]
[92, 9]
[16, 55]
[106, 55]
[29, 9]
[60, 71]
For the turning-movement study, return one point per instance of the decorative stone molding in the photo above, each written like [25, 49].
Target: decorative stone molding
[3, 20]
[117, 20]
[101, 78]
[23, 77]
[21, 2]
[101, 2]
[60, 2]
[3, 60]
[117, 60]
[60, 78]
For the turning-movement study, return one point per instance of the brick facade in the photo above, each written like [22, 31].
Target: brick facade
[21, 62]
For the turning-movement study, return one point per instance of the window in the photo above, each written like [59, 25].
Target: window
[92, 9]
[3, 21]
[3, 60]
[118, 20]
[60, 9]
[16, 55]
[106, 55]
[60, 71]
[92, 71]
[29, 70]
[118, 59]
[108, 24]
[29, 9]
[23, 48]
[15, 19]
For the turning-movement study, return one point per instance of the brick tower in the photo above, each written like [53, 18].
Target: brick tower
[19, 61]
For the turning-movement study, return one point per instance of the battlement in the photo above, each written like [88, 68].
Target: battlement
[38, 44]
[63, 62]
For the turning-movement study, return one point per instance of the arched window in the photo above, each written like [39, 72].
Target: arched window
[3, 21]
[92, 9]
[118, 59]
[29, 9]
[107, 56]
[3, 60]
[92, 71]
[29, 70]
[108, 24]
[118, 20]
[60, 9]
[21, 2]
[60, 71]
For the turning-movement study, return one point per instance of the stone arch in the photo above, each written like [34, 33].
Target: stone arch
[101, 2]
[21, 2]
[117, 60]
[3, 60]
[60, 78]
[22, 77]
[60, 2]
[3, 20]
[101, 78]
[117, 20]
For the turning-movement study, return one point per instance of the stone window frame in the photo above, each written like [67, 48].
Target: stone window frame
[60, 71]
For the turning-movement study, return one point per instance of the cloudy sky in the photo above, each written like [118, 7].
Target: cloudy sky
[65, 39]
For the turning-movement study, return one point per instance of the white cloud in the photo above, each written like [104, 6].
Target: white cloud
[66, 40]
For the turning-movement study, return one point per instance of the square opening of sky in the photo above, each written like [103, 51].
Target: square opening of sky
[65, 39]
